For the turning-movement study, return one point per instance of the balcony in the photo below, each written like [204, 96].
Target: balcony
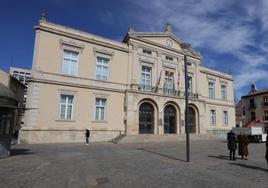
[147, 88]
[163, 91]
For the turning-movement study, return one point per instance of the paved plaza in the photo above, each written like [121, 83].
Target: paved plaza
[132, 165]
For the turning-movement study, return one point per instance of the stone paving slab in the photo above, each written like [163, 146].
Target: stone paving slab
[132, 165]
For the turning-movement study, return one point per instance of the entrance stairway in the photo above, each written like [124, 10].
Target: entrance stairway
[117, 139]
[147, 138]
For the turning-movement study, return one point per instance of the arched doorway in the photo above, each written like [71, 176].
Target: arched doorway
[146, 118]
[191, 120]
[170, 119]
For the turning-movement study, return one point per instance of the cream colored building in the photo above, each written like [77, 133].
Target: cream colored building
[84, 81]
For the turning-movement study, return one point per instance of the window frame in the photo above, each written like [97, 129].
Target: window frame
[63, 58]
[146, 87]
[102, 65]
[213, 112]
[223, 97]
[66, 108]
[105, 109]
[225, 118]
[213, 89]
[190, 84]
[169, 85]
[147, 52]
[265, 117]
[265, 100]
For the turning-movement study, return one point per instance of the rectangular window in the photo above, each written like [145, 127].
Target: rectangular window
[223, 92]
[102, 68]
[146, 78]
[70, 63]
[190, 84]
[265, 100]
[148, 52]
[251, 103]
[266, 115]
[225, 118]
[211, 90]
[212, 117]
[66, 106]
[100, 111]
[169, 82]
[169, 58]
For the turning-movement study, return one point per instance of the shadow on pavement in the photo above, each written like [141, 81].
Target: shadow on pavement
[163, 155]
[220, 157]
[250, 167]
[15, 152]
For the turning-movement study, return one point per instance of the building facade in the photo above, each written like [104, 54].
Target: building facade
[83, 81]
[253, 106]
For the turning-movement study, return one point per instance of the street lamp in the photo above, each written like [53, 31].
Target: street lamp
[185, 48]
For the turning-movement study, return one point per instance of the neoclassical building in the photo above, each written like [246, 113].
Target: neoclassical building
[84, 81]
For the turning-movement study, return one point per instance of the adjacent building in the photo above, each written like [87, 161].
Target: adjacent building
[84, 81]
[253, 106]
[23, 76]
[11, 99]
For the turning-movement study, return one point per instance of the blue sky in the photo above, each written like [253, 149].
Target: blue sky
[230, 34]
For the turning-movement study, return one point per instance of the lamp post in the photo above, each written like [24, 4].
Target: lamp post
[185, 48]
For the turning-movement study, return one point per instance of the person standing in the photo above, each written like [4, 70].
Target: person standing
[243, 146]
[87, 136]
[266, 156]
[232, 146]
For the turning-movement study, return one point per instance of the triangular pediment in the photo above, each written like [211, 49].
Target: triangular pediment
[167, 40]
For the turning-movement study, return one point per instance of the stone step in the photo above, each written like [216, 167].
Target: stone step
[147, 138]
[117, 139]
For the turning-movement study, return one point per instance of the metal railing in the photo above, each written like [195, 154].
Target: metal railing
[166, 91]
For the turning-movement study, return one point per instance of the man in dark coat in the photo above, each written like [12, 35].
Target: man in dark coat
[87, 135]
[232, 146]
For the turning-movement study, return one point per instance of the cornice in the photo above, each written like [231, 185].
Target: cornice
[77, 85]
[90, 39]
[216, 73]
[220, 104]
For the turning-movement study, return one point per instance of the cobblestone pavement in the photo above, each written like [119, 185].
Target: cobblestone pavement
[132, 165]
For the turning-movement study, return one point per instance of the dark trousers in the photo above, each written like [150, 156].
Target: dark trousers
[87, 140]
[232, 153]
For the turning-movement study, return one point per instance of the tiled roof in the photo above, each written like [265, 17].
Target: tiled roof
[259, 92]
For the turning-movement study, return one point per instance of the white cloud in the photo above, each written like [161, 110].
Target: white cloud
[222, 27]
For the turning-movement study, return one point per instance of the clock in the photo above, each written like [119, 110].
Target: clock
[169, 42]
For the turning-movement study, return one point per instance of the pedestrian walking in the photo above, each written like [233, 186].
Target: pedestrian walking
[243, 145]
[232, 146]
[266, 156]
[87, 136]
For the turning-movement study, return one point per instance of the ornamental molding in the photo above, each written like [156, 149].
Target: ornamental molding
[71, 44]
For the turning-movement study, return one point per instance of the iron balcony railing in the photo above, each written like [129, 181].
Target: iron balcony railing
[147, 88]
[166, 91]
